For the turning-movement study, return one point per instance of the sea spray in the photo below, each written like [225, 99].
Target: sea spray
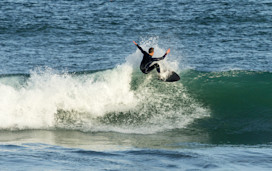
[121, 99]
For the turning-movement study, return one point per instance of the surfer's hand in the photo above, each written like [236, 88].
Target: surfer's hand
[135, 43]
[168, 51]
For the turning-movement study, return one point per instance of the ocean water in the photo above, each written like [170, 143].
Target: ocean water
[72, 96]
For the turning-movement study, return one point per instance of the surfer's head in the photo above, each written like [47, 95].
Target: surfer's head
[151, 51]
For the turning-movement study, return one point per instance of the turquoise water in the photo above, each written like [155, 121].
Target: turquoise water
[73, 98]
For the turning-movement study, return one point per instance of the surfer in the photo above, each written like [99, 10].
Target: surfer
[149, 63]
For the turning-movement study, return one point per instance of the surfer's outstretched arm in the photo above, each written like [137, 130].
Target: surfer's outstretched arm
[161, 58]
[139, 47]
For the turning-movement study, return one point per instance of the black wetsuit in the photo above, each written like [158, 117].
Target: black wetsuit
[147, 63]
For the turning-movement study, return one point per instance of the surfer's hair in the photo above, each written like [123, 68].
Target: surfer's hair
[151, 50]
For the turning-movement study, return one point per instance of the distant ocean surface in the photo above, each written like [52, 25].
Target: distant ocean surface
[72, 96]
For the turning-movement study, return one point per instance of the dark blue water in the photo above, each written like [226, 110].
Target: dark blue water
[206, 35]
[72, 96]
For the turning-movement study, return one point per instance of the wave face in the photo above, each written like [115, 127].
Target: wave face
[125, 100]
[240, 104]
[232, 93]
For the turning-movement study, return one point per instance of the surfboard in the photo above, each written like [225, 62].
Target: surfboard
[169, 76]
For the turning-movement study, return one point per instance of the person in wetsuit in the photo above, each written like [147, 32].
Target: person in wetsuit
[149, 63]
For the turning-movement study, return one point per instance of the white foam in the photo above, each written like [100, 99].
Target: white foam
[35, 105]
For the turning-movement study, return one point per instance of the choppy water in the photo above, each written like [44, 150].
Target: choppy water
[72, 95]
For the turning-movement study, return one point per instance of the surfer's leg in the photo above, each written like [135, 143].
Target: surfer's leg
[149, 69]
[152, 66]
